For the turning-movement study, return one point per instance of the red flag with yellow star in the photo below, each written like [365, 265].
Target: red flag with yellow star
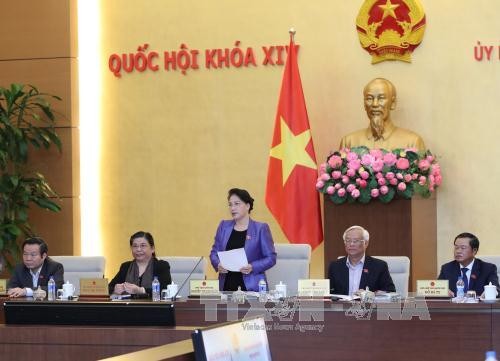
[290, 193]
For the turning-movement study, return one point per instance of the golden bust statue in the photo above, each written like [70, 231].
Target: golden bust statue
[380, 99]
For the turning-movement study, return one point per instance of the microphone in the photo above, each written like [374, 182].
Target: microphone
[183, 283]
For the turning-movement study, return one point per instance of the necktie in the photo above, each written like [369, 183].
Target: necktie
[466, 281]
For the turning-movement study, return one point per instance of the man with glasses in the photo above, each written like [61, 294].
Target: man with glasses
[475, 273]
[357, 271]
[36, 270]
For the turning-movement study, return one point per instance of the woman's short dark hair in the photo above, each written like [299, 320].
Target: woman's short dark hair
[241, 194]
[473, 241]
[146, 235]
[36, 240]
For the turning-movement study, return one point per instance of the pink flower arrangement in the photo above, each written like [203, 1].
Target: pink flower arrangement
[360, 174]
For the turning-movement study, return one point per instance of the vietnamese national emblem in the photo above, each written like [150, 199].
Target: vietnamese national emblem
[390, 29]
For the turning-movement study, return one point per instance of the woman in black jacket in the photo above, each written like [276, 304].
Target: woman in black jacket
[135, 277]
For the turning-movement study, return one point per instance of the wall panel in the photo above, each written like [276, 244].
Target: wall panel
[39, 47]
[38, 29]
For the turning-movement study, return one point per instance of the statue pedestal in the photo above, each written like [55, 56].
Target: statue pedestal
[402, 227]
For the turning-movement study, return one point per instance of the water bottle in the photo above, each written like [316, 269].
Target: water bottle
[262, 290]
[460, 288]
[155, 287]
[51, 288]
[491, 356]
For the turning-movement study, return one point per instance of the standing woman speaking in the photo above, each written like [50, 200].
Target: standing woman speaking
[243, 232]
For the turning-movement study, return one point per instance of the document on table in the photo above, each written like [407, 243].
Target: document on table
[233, 260]
[345, 297]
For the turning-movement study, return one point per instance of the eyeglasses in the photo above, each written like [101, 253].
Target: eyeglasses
[354, 242]
[32, 255]
[140, 246]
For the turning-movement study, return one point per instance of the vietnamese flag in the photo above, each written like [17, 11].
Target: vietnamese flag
[291, 179]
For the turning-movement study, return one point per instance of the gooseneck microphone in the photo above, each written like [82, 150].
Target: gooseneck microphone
[183, 283]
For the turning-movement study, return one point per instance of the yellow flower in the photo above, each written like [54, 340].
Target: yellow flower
[402, 153]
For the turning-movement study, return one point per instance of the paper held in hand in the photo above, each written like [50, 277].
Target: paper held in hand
[233, 260]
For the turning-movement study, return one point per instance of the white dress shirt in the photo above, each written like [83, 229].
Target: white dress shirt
[469, 272]
[34, 276]
[355, 273]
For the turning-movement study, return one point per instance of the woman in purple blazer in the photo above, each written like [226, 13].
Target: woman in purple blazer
[243, 232]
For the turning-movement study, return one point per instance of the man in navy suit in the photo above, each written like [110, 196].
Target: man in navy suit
[475, 273]
[36, 269]
[358, 271]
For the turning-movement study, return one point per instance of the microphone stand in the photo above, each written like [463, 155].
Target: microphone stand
[183, 283]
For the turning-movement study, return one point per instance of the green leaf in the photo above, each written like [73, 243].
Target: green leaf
[43, 137]
[22, 215]
[14, 180]
[23, 150]
[13, 229]
[35, 142]
[46, 204]
[338, 200]
[361, 150]
[386, 198]
[46, 110]
[364, 195]
[412, 156]
[54, 138]
[422, 190]
[407, 193]
[16, 88]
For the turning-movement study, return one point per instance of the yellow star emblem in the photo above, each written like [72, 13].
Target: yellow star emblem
[389, 9]
[292, 150]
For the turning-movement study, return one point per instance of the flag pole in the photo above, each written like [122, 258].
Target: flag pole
[292, 169]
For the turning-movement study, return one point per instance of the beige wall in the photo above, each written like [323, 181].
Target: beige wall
[174, 144]
[39, 48]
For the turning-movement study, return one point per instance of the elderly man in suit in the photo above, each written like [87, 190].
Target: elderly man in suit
[36, 270]
[475, 273]
[357, 270]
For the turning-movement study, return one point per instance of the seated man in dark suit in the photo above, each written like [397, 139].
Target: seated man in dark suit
[35, 270]
[476, 273]
[358, 271]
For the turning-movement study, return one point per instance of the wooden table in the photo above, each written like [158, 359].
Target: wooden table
[464, 331]
[457, 331]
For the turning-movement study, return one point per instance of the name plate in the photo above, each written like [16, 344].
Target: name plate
[314, 287]
[432, 288]
[3, 286]
[203, 287]
[94, 286]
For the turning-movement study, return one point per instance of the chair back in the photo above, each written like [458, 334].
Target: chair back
[76, 267]
[399, 268]
[292, 264]
[495, 259]
[180, 267]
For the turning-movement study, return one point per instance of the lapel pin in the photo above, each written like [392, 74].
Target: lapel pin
[365, 270]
